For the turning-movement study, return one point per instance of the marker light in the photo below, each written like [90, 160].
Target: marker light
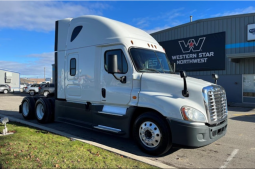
[134, 97]
[152, 45]
[155, 46]
[132, 42]
[191, 114]
[149, 45]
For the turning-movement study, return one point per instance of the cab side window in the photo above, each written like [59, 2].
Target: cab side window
[75, 32]
[122, 62]
[73, 67]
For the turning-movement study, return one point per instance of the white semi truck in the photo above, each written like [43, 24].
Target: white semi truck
[116, 78]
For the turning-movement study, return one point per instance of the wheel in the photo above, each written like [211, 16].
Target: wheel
[43, 110]
[31, 93]
[5, 91]
[152, 133]
[28, 108]
[46, 93]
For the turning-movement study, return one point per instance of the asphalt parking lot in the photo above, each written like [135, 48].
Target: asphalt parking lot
[235, 150]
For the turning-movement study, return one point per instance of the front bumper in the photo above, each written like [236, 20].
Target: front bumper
[196, 135]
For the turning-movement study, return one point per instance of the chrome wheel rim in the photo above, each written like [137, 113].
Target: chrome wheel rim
[25, 108]
[45, 94]
[39, 111]
[5, 91]
[149, 134]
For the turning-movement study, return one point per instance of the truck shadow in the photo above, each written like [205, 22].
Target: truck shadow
[245, 117]
[241, 109]
[107, 139]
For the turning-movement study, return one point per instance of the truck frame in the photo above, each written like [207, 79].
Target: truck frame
[113, 77]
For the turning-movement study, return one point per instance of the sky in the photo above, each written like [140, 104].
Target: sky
[27, 29]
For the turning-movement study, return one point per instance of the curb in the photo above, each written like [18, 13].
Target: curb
[120, 152]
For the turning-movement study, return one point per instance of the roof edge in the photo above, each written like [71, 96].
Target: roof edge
[203, 20]
[9, 71]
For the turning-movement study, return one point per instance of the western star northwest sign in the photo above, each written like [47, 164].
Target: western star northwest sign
[206, 52]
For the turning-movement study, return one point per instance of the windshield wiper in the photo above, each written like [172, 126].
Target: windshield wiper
[155, 70]
[169, 71]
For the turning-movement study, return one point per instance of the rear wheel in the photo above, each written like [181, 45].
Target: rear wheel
[43, 110]
[27, 108]
[46, 93]
[152, 134]
[5, 91]
[31, 92]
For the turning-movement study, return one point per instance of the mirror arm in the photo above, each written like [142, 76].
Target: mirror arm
[185, 92]
[122, 79]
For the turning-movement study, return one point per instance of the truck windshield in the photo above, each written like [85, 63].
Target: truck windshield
[150, 61]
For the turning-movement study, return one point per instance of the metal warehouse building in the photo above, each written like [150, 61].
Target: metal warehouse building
[11, 78]
[222, 45]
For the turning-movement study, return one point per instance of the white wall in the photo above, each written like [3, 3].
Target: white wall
[15, 79]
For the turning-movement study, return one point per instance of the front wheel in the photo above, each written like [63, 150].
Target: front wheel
[5, 91]
[152, 133]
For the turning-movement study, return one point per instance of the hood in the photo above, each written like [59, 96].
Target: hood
[169, 88]
[170, 83]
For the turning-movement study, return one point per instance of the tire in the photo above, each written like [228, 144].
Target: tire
[28, 108]
[31, 92]
[5, 91]
[152, 134]
[46, 93]
[43, 110]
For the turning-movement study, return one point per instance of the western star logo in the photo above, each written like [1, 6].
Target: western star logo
[192, 45]
[252, 31]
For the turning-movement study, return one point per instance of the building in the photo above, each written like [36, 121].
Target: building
[36, 80]
[11, 78]
[222, 45]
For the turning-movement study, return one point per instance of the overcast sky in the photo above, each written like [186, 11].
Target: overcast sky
[27, 28]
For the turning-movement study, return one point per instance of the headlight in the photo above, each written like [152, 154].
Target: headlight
[191, 114]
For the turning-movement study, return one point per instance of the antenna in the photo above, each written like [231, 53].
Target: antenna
[190, 18]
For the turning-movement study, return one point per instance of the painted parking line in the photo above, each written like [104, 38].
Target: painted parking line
[244, 114]
[232, 155]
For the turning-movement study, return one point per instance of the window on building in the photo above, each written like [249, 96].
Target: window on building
[73, 67]
[122, 62]
[76, 32]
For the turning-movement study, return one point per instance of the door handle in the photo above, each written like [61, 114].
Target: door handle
[103, 92]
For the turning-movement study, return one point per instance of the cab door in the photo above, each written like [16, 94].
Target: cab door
[72, 87]
[113, 91]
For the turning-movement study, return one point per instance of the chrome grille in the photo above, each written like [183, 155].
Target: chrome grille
[216, 103]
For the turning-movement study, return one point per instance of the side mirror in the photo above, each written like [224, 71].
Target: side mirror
[215, 77]
[113, 67]
[185, 91]
[112, 64]
[183, 74]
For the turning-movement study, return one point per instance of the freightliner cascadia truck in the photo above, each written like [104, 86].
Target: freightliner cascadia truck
[115, 78]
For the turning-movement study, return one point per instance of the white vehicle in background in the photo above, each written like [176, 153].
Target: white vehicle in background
[116, 78]
[33, 89]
